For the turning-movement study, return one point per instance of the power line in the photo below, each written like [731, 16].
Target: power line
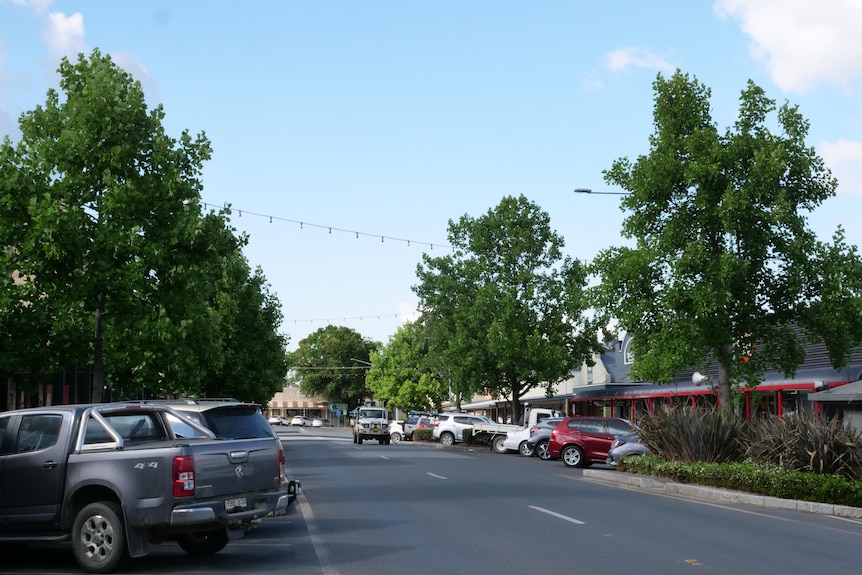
[302, 224]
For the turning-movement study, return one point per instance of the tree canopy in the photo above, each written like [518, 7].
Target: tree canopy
[332, 362]
[108, 260]
[506, 312]
[405, 374]
[723, 261]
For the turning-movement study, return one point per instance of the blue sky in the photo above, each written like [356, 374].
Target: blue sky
[376, 122]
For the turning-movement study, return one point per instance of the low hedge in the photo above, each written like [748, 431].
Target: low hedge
[423, 434]
[753, 478]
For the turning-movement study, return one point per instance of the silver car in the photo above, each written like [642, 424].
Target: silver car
[625, 445]
[449, 427]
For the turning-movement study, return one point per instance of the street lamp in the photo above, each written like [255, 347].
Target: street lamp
[360, 361]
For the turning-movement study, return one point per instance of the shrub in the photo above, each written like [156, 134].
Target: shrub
[752, 477]
[683, 433]
[805, 443]
[423, 434]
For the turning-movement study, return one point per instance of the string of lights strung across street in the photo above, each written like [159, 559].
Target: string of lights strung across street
[303, 224]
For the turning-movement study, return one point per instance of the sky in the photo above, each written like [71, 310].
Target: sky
[347, 134]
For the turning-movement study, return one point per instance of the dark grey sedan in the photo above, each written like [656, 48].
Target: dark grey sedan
[540, 434]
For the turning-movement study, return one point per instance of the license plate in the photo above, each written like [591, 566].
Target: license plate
[375, 430]
[237, 503]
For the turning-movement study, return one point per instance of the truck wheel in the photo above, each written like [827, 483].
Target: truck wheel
[99, 537]
[572, 456]
[541, 450]
[497, 444]
[525, 449]
[395, 438]
[447, 439]
[203, 542]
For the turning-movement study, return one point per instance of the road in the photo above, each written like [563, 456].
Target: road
[420, 509]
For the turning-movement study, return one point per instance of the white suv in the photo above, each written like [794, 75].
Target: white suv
[449, 426]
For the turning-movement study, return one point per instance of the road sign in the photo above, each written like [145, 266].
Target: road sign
[338, 407]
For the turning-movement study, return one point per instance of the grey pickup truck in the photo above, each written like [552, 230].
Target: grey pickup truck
[115, 478]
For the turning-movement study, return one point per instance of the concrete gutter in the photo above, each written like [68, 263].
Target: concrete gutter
[721, 496]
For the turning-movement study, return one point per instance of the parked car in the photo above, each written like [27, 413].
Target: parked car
[449, 427]
[300, 420]
[396, 431]
[318, 422]
[540, 435]
[276, 420]
[517, 441]
[581, 441]
[625, 445]
[229, 419]
[417, 421]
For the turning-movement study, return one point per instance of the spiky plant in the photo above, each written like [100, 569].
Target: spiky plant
[703, 433]
[806, 443]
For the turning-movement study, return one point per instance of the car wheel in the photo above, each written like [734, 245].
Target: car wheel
[203, 542]
[525, 449]
[498, 444]
[99, 538]
[447, 439]
[572, 456]
[541, 450]
[395, 437]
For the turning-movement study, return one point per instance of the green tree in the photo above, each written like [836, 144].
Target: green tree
[404, 374]
[332, 362]
[723, 261]
[506, 311]
[254, 364]
[103, 236]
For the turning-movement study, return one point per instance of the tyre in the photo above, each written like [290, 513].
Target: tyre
[541, 450]
[447, 438]
[203, 542]
[525, 449]
[572, 456]
[99, 537]
[497, 444]
[381, 441]
[395, 438]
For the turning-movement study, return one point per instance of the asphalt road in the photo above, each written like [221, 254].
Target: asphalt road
[420, 509]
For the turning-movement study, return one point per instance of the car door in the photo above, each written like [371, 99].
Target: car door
[596, 439]
[34, 470]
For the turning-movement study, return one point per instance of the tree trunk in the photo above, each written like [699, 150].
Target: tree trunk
[98, 353]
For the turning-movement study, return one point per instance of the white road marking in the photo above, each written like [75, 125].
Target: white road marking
[383, 457]
[322, 551]
[437, 476]
[557, 515]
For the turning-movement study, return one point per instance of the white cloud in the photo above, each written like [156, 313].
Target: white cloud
[38, 6]
[638, 58]
[844, 158]
[802, 42]
[65, 35]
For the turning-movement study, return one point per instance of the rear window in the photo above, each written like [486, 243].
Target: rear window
[617, 427]
[238, 423]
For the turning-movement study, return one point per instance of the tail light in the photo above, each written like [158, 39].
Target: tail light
[280, 465]
[184, 476]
